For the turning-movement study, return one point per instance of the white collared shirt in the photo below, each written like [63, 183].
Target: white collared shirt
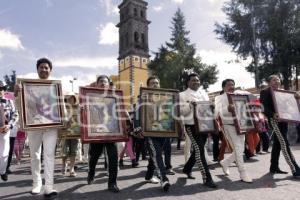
[186, 97]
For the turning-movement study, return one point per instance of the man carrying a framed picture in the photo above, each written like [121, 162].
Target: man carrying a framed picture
[156, 146]
[96, 149]
[280, 130]
[36, 138]
[224, 110]
[188, 98]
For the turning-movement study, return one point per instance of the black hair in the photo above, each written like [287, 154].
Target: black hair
[226, 81]
[103, 76]
[152, 78]
[190, 77]
[271, 77]
[43, 60]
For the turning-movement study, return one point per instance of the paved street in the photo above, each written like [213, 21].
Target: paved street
[132, 185]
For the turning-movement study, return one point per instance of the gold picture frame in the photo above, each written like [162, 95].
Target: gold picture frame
[41, 104]
[159, 112]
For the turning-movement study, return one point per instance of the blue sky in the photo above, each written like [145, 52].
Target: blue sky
[81, 39]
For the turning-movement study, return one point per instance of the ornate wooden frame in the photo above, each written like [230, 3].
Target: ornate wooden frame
[120, 113]
[211, 119]
[24, 107]
[144, 92]
[232, 98]
[281, 106]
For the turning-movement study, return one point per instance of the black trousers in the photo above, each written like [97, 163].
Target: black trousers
[167, 148]
[140, 148]
[198, 141]
[112, 153]
[280, 142]
[11, 150]
[264, 142]
[216, 147]
[155, 147]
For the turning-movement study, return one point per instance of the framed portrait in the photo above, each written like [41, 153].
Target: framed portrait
[41, 104]
[286, 105]
[159, 111]
[243, 117]
[102, 115]
[204, 117]
[72, 129]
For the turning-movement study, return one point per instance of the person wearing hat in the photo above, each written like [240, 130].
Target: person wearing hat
[8, 119]
[252, 136]
[261, 126]
[36, 138]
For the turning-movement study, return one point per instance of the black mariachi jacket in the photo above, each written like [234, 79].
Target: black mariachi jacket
[267, 101]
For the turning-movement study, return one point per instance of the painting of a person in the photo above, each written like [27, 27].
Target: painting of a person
[41, 104]
[101, 117]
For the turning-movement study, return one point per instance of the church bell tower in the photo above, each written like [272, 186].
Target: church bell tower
[133, 48]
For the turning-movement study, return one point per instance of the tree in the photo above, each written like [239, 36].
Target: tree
[266, 30]
[176, 59]
[10, 80]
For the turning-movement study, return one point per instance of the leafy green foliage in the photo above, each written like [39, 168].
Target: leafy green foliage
[266, 30]
[10, 80]
[175, 60]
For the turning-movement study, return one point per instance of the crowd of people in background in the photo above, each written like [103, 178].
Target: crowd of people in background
[157, 150]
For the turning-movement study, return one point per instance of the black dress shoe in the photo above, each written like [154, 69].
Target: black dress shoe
[210, 184]
[134, 164]
[51, 195]
[4, 177]
[90, 179]
[189, 175]
[297, 174]
[277, 171]
[121, 163]
[113, 188]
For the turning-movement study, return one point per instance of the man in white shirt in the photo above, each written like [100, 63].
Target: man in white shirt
[188, 98]
[224, 110]
[48, 138]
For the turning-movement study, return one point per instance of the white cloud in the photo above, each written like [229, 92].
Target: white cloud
[80, 81]
[108, 34]
[227, 68]
[10, 40]
[87, 62]
[178, 1]
[158, 8]
[111, 9]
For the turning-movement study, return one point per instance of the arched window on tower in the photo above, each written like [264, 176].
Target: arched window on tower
[143, 38]
[136, 37]
[126, 40]
[135, 12]
[142, 14]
